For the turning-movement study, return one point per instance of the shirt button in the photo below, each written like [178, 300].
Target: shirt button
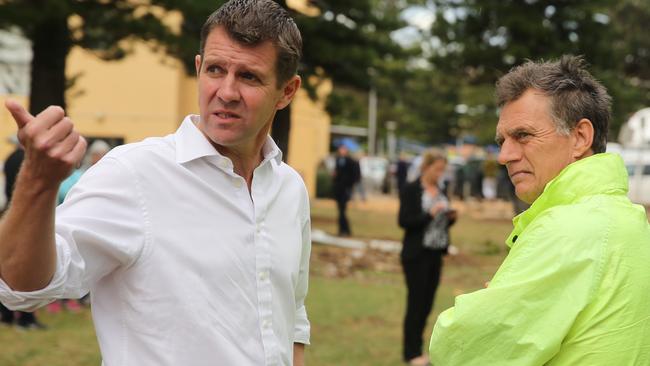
[223, 164]
[266, 324]
[237, 183]
[264, 275]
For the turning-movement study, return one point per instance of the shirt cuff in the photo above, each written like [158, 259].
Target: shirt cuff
[32, 300]
[302, 327]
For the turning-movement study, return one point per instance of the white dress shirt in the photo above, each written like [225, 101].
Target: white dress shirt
[184, 265]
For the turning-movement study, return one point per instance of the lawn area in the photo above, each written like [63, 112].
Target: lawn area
[356, 316]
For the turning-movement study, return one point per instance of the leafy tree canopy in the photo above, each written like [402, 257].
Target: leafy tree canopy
[480, 40]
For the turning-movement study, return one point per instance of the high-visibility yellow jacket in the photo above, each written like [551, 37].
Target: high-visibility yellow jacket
[574, 289]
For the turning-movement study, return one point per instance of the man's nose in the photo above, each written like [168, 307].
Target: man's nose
[509, 152]
[228, 90]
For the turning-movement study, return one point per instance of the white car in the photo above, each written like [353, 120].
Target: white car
[373, 172]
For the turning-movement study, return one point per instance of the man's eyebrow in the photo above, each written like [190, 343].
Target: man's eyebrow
[215, 60]
[518, 130]
[249, 70]
[498, 138]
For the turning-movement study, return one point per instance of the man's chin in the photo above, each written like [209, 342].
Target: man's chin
[526, 195]
[225, 140]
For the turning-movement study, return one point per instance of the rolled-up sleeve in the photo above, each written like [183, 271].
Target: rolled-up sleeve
[527, 309]
[100, 227]
[302, 327]
[30, 301]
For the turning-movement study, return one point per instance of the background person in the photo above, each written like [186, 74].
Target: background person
[96, 151]
[426, 215]
[401, 171]
[347, 173]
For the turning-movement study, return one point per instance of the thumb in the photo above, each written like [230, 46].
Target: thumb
[18, 112]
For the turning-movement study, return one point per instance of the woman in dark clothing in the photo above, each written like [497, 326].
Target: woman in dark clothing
[425, 215]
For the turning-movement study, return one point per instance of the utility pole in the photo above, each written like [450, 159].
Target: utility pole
[391, 126]
[372, 114]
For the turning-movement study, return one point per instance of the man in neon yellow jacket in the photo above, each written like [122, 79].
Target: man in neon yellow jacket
[575, 287]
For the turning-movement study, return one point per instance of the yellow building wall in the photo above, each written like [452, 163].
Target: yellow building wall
[309, 138]
[133, 98]
[148, 94]
[7, 127]
[188, 96]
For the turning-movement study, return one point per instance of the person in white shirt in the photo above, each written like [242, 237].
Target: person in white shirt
[195, 246]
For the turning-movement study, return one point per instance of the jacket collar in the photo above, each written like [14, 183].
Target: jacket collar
[597, 174]
[192, 144]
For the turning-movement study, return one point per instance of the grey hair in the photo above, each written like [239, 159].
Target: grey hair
[573, 92]
[252, 22]
[99, 146]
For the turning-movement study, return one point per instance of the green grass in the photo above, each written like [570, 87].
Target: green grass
[356, 320]
[364, 223]
[69, 340]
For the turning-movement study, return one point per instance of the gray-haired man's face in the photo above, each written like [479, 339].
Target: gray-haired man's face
[531, 148]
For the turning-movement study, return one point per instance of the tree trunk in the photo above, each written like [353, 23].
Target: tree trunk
[280, 130]
[282, 120]
[50, 45]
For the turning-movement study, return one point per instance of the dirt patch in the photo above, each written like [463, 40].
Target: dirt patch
[334, 262]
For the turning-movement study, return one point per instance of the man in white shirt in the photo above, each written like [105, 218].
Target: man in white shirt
[194, 246]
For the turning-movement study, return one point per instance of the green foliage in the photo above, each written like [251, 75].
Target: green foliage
[436, 89]
[103, 23]
[348, 38]
[422, 103]
[351, 43]
[323, 182]
[478, 41]
[348, 106]
[343, 42]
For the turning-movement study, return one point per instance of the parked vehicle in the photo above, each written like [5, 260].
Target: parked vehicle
[374, 170]
[637, 162]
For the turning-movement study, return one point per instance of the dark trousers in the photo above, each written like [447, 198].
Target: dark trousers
[23, 318]
[342, 204]
[422, 277]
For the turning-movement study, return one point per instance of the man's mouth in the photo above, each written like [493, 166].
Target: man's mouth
[518, 173]
[226, 115]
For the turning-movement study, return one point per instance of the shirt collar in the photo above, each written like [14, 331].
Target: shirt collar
[270, 150]
[192, 144]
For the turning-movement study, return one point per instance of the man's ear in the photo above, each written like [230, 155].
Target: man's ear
[197, 64]
[583, 137]
[288, 92]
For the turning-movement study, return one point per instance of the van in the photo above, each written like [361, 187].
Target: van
[637, 162]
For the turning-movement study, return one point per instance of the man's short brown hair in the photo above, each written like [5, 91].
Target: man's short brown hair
[251, 22]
